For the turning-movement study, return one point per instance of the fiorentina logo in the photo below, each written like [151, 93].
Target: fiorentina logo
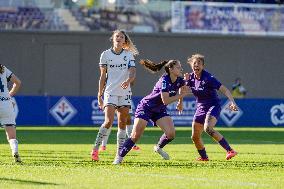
[229, 116]
[277, 114]
[63, 111]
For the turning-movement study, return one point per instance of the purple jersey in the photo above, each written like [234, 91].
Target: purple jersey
[205, 88]
[154, 101]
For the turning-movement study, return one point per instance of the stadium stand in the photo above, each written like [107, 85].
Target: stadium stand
[26, 15]
[153, 16]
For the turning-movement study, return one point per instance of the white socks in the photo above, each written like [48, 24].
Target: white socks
[101, 134]
[129, 129]
[121, 135]
[14, 145]
[105, 139]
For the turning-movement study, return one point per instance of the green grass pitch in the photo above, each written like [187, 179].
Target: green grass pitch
[59, 157]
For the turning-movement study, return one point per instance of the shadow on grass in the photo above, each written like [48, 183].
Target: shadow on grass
[26, 181]
[150, 137]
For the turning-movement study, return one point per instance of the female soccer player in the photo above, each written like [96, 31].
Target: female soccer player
[154, 107]
[117, 67]
[7, 115]
[204, 86]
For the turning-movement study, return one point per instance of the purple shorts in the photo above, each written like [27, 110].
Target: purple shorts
[148, 115]
[206, 109]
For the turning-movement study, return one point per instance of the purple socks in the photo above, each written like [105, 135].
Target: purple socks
[128, 144]
[225, 144]
[202, 153]
[163, 141]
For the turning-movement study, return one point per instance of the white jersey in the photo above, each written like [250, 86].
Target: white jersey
[117, 71]
[7, 114]
[4, 79]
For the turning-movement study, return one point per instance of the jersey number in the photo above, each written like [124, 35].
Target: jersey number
[1, 86]
[128, 97]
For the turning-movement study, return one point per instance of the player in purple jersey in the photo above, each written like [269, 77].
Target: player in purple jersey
[170, 87]
[204, 87]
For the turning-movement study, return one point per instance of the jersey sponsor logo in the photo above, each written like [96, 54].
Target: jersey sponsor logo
[120, 66]
[172, 93]
[63, 111]
[277, 114]
[229, 116]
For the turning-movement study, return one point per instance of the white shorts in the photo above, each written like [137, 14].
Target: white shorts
[117, 101]
[7, 114]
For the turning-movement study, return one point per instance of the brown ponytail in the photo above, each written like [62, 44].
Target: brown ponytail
[152, 67]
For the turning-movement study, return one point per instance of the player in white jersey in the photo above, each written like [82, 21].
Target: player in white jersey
[7, 115]
[117, 67]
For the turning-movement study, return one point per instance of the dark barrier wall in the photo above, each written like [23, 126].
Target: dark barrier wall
[67, 63]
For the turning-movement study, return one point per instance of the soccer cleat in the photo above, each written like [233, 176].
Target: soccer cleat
[17, 158]
[136, 148]
[231, 154]
[202, 159]
[160, 151]
[118, 160]
[95, 155]
[103, 148]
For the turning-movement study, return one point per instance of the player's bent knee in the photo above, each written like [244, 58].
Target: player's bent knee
[195, 138]
[209, 131]
[107, 124]
[122, 122]
[171, 136]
